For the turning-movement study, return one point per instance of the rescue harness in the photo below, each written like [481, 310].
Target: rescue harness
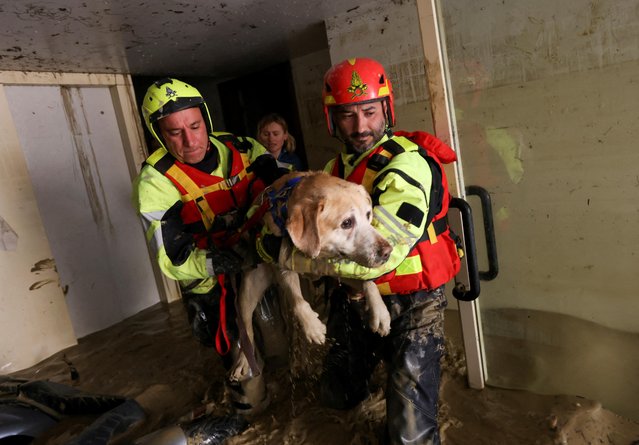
[208, 199]
[435, 258]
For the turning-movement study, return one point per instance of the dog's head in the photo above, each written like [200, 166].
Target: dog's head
[329, 217]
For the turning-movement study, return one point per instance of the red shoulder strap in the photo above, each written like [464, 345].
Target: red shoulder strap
[433, 145]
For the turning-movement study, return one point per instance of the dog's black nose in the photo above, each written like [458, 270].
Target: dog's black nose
[384, 250]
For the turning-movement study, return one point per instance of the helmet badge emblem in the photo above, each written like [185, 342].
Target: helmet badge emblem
[357, 87]
[170, 93]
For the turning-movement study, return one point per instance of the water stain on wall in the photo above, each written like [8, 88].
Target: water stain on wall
[86, 158]
[552, 353]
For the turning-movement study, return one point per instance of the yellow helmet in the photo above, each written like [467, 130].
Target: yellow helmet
[167, 96]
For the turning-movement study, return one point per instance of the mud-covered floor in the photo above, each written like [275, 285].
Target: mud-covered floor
[153, 358]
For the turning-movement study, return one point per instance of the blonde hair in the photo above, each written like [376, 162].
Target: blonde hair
[289, 144]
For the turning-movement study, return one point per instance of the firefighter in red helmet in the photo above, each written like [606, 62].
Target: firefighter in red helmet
[404, 175]
[357, 81]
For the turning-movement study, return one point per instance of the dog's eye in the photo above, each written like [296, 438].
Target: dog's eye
[347, 223]
[368, 215]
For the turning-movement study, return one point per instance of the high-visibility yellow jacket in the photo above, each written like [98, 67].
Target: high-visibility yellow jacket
[158, 192]
[424, 256]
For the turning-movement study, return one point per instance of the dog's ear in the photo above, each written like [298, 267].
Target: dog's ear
[302, 226]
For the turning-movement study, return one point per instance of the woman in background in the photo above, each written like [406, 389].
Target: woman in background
[272, 132]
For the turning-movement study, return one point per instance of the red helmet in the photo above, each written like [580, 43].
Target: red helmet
[356, 81]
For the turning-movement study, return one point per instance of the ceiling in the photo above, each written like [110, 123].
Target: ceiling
[212, 38]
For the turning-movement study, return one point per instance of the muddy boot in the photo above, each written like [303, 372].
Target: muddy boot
[249, 397]
[270, 330]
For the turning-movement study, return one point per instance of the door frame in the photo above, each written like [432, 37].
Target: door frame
[445, 126]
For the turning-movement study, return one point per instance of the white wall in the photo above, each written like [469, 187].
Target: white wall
[78, 147]
[34, 322]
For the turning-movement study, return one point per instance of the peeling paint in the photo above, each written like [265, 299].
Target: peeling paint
[508, 148]
[45, 264]
[502, 214]
[39, 284]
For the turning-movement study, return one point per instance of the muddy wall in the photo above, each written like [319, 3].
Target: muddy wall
[308, 73]
[378, 30]
[545, 98]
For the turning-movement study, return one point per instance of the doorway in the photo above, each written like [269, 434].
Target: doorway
[246, 99]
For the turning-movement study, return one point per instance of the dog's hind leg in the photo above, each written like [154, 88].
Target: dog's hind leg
[313, 328]
[253, 285]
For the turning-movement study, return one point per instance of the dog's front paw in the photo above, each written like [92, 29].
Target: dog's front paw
[241, 370]
[312, 326]
[380, 321]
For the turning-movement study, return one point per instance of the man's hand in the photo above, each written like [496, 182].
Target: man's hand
[224, 261]
[265, 168]
[201, 314]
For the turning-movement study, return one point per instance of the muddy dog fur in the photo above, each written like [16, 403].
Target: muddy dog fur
[328, 218]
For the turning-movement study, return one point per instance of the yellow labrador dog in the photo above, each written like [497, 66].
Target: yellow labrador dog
[327, 218]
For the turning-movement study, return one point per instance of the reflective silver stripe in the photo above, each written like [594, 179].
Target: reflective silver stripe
[383, 222]
[157, 238]
[152, 216]
[209, 267]
[230, 182]
[150, 219]
[399, 230]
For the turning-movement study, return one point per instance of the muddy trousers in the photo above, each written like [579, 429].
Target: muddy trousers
[411, 353]
[203, 310]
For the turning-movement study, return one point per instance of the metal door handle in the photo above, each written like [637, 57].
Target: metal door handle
[489, 231]
[460, 291]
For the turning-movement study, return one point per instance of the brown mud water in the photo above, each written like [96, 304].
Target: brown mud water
[152, 359]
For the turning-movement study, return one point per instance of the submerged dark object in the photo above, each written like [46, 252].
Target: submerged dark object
[22, 423]
[207, 430]
[29, 408]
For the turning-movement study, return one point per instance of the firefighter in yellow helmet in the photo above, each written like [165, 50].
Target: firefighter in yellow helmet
[403, 173]
[192, 194]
